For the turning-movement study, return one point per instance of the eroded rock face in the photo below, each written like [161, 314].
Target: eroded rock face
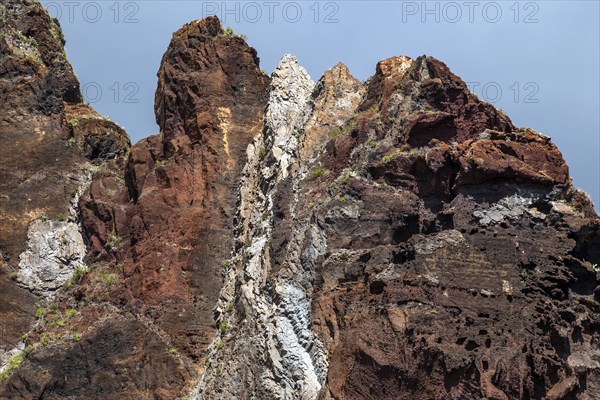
[427, 250]
[174, 209]
[432, 250]
[286, 239]
[43, 168]
[283, 359]
[119, 358]
[159, 224]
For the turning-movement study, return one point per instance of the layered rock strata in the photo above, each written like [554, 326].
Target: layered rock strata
[284, 239]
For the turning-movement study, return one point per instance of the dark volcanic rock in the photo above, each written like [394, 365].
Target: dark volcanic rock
[172, 204]
[397, 239]
[450, 266]
[120, 359]
[42, 167]
[100, 139]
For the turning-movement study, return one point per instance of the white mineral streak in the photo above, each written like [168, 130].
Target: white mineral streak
[54, 249]
[7, 355]
[512, 206]
[274, 353]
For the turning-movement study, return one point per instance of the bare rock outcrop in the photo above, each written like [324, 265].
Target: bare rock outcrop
[158, 223]
[284, 239]
[43, 166]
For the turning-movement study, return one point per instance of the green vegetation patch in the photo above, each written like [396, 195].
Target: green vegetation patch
[15, 362]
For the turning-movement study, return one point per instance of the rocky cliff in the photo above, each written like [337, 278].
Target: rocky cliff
[283, 238]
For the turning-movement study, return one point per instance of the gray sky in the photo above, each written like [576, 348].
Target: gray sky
[537, 60]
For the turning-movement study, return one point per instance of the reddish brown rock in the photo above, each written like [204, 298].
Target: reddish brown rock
[447, 267]
[42, 160]
[417, 244]
[336, 97]
[423, 100]
[158, 224]
[32, 130]
[174, 207]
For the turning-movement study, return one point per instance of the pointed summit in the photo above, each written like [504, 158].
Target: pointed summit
[288, 70]
[210, 26]
[335, 98]
[289, 95]
[202, 70]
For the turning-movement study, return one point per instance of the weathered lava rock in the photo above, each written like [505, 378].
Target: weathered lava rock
[172, 205]
[451, 265]
[158, 222]
[42, 167]
[393, 239]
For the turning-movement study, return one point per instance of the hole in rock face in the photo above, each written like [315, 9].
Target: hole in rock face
[471, 345]
[423, 131]
[445, 221]
[577, 336]
[365, 257]
[407, 227]
[330, 328]
[377, 287]
[585, 280]
[99, 148]
[543, 206]
[402, 255]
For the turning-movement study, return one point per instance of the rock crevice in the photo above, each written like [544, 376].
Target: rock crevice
[284, 359]
[284, 239]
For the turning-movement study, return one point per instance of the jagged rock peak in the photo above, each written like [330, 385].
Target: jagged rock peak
[288, 108]
[210, 26]
[335, 98]
[337, 78]
[290, 79]
[421, 100]
[202, 71]
[394, 66]
[200, 28]
[32, 51]
[340, 66]
[335, 83]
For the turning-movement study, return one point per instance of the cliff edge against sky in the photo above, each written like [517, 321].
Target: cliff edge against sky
[283, 238]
